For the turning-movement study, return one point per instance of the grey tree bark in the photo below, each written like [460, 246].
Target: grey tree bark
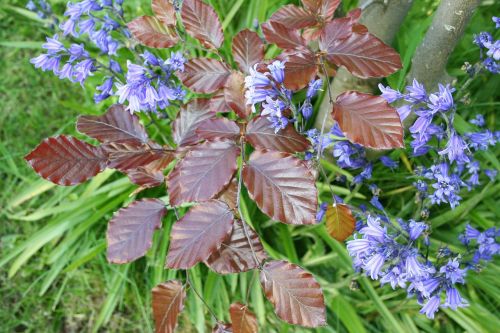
[431, 56]
[383, 19]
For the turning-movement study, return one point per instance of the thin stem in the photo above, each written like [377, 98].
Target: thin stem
[212, 313]
[329, 185]
[323, 123]
[249, 287]
[238, 200]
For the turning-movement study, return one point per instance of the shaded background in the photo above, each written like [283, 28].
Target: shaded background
[54, 276]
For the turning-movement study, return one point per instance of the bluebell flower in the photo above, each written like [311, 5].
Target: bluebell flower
[483, 40]
[404, 111]
[431, 307]
[416, 92]
[494, 50]
[364, 175]
[321, 212]
[313, 88]
[389, 94]
[395, 277]
[388, 162]
[456, 149]
[478, 120]
[496, 20]
[106, 90]
[453, 272]
[277, 70]
[176, 61]
[481, 140]
[374, 265]
[454, 300]
[415, 229]
[376, 203]
[306, 110]
[491, 174]
[53, 45]
[442, 101]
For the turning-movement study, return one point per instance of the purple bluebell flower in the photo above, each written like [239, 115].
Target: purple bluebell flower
[496, 20]
[404, 111]
[453, 272]
[415, 229]
[389, 94]
[277, 70]
[416, 92]
[478, 120]
[494, 50]
[176, 61]
[388, 162]
[481, 140]
[442, 101]
[376, 203]
[483, 40]
[395, 277]
[53, 45]
[313, 88]
[306, 110]
[431, 307]
[456, 149]
[454, 300]
[491, 174]
[83, 69]
[321, 212]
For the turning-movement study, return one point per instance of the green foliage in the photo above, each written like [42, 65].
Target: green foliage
[53, 270]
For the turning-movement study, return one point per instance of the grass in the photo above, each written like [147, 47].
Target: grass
[53, 273]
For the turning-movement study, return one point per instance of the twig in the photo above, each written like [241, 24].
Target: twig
[238, 200]
[212, 313]
[323, 123]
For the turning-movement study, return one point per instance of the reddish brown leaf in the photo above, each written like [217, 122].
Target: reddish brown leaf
[128, 155]
[355, 14]
[65, 160]
[300, 69]
[198, 234]
[161, 163]
[146, 177]
[335, 31]
[229, 194]
[116, 124]
[295, 294]
[242, 319]
[283, 36]
[204, 172]
[189, 119]
[248, 49]
[339, 221]
[282, 187]
[149, 31]
[294, 17]
[164, 11]
[168, 302]
[222, 328]
[204, 75]
[218, 102]
[234, 94]
[368, 120]
[130, 231]
[219, 128]
[365, 56]
[235, 254]
[201, 22]
[324, 8]
[261, 135]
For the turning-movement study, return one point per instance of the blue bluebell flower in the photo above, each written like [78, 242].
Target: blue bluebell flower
[313, 88]
[388, 162]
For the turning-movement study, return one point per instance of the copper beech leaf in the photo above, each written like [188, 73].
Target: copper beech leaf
[117, 124]
[204, 75]
[198, 234]
[234, 94]
[294, 17]
[242, 319]
[218, 102]
[300, 68]
[222, 328]
[261, 135]
[190, 117]
[323, 8]
[339, 221]
[130, 231]
[128, 155]
[229, 194]
[248, 49]
[282, 187]
[295, 294]
[204, 172]
[335, 31]
[364, 55]
[201, 22]
[368, 120]
[168, 303]
[235, 254]
[164, 11]
[150, 31]
[65, 160]
[220, 128]
[283, 36]
[146, 177]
